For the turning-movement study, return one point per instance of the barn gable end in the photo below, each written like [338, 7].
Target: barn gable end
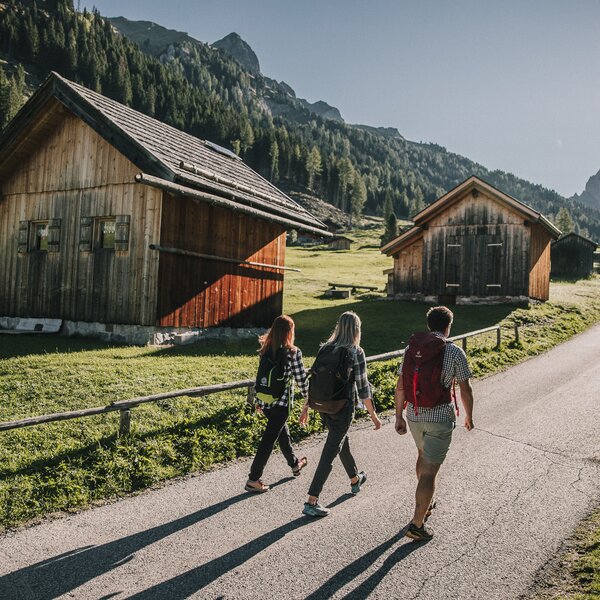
[475, 244]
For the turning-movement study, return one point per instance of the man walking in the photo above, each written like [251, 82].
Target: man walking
[431, 366]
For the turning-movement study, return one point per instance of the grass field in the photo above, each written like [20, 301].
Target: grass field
[67, 465]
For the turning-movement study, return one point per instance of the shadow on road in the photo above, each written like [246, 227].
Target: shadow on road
[188, 583]
[64, 573]
[362, 564]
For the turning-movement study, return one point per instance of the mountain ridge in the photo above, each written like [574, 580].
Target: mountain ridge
[203, 91]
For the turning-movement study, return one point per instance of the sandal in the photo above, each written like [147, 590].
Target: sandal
[302, 462]
[256, 486]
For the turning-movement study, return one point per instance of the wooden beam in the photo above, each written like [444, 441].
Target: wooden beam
[234, 261]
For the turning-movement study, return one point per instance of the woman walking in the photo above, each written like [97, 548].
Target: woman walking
[344, 340]
[280, 364]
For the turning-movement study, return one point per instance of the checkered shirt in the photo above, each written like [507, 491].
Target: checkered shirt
[362, 387]
[455, 367]
[294, 371]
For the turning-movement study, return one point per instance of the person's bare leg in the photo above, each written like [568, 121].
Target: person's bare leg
[419, 464]
[425, 490]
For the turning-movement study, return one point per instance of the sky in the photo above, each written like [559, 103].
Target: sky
[511, 84]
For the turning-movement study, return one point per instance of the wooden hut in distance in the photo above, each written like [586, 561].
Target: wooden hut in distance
[339, 242]
[112, 218]
[572, 256]
[475, 244]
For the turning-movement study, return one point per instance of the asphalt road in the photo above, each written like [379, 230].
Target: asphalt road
[509, 493]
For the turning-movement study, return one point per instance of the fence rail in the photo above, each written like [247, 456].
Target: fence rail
[125, 406]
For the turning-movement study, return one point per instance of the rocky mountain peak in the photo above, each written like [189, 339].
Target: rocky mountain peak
[238, 49]
[591, 195]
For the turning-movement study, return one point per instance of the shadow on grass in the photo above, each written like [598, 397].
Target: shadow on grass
[85, 454]
[66, 572]
[387, 325]
[12, 346]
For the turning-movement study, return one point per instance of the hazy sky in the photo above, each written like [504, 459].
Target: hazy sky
[511, 84]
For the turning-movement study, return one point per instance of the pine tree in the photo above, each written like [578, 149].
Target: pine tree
[313, 166]
[564, 221]
[391, 229]
[358, 196]
[388, 206]
[274, 156]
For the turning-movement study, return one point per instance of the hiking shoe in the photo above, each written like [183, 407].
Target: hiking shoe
[314, 510]
[355, 487]
[419, 534]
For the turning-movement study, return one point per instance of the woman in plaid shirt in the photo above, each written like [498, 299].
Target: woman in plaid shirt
[279, 337]
[346, 335]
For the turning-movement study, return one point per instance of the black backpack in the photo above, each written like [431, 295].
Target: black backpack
[331, 380]
[271, 381]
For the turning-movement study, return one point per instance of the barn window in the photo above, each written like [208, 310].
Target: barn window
[106, 232]
[23, 236]
[53, 235]
[39, 236]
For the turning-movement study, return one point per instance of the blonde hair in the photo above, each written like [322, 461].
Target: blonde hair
[347, 331]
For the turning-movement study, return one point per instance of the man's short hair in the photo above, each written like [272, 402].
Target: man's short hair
[438, 318]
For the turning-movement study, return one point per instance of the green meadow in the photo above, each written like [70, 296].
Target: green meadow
[72, 464]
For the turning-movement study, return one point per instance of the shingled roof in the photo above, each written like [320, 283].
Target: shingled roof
[165, 155]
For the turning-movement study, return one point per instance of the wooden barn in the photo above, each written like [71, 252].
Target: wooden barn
[474, 244]
[572, 256]
[109, 216]
[339, 242]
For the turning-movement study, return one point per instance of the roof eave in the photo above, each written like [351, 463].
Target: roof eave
[402, 240]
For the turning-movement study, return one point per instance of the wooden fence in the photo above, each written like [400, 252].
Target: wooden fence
[125, 406]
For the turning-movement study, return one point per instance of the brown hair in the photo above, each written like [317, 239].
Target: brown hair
[439, 318]
[281, 334]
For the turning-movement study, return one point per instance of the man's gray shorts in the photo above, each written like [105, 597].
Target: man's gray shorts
[433, 439]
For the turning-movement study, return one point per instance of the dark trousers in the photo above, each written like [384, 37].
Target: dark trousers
[336, 443]
[275, 431]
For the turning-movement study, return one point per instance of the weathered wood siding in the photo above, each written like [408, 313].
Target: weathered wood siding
[408, 269]
[198, 292]
[572, 256]
[476, 247]
[72, 174]
[539, 278]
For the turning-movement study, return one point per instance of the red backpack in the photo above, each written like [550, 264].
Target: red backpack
[422, 372]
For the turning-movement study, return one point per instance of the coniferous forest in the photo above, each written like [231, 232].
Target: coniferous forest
[201, 90]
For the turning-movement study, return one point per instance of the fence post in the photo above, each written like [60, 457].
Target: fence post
[498, 337]
[125, 422]
[250, 395]
[516, 334]
[464, 344]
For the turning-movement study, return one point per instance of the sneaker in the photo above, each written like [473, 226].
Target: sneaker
[419, 534]
[314, 510]
[355, 487]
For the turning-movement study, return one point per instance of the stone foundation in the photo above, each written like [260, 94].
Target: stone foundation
[468, 300]
[140, 335]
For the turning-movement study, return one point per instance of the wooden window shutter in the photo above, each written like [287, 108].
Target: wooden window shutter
[53, 235]
[85, 234]
[23, 236]
[122, 232]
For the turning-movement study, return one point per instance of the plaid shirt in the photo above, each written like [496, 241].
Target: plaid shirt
[293, 370]
[362, 387]
[454, 367]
